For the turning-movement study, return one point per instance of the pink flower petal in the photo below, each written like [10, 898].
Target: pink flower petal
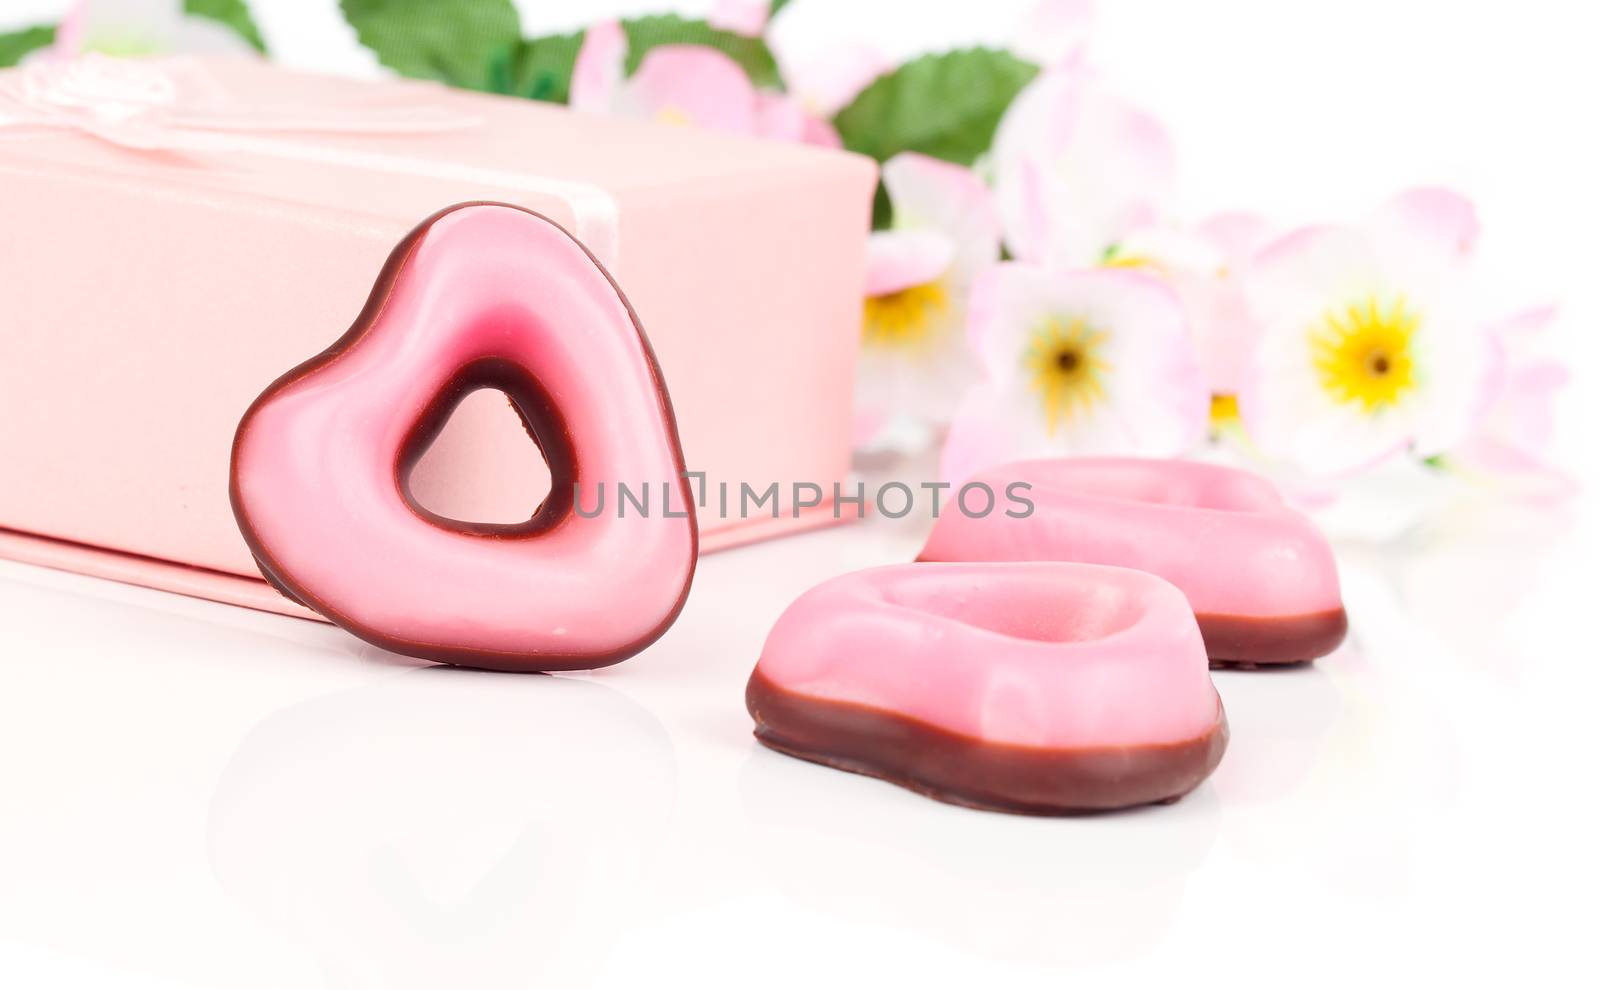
[826, 80]
[1298, 277]
[1523, 476]
[779, 117]
[1441, 215]
[820, 133]
[900, 259]
[1167, 248]
[987, 430]
[782, 118]
[1526, 408]
[1226, 336]
[70, 32]
[1207, 267]
[597, 73]
[916, 381]
[1466, 365]
[1323, 443]
[1425, 237]
[1077, 168]
[693, 84]
[1224, 325]
[1517, 426]
[1007, 301]
[927, 192]
[1519, 327]
[1507, 449]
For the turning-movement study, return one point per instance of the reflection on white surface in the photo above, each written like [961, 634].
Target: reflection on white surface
[195, 795]
[447, 827]
[1281, 724]
[1035, 890]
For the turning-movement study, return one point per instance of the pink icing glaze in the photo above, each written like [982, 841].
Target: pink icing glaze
[1036, 654]
[1223, 536]
[476, 293]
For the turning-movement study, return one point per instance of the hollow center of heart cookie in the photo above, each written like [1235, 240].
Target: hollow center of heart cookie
[1024, 607]
[457, 479]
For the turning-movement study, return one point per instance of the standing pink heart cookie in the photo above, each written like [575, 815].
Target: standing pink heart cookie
[480, 295]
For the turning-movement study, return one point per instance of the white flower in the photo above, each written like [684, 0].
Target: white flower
[1367, 346]
[1077, 362]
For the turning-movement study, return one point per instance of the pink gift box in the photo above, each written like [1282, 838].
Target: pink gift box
[178, 233]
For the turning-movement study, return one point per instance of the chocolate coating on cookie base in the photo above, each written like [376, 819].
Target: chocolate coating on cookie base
[963, 770]
[1250, 641]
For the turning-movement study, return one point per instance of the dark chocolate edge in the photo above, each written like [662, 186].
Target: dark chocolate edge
[1261, 640]
[971, 772]
[541, 419]
[278, 577]
[1243, 640]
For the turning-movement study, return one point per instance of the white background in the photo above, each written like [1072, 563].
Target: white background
[194, 795]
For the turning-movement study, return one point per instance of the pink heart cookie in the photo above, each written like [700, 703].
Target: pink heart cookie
[1042, 688]
[1259, 575]
[479, 295]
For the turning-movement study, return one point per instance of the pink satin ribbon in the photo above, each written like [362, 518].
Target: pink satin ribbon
[175, 105]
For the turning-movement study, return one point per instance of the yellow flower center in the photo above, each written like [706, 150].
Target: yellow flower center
[1116, 256]
[905, 319]
[1363, 353]
[1224, 410]
[673, 115]
[1067, 368]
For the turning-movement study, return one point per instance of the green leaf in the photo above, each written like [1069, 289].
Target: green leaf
[19, 43]
[537, 68]
[882, 209]
[233, 13]
[645, 33]
[458, 42]
[944, 105]
[777, 5]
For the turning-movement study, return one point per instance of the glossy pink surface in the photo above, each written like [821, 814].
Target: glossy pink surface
[1035, 654]
[1225, 537]
[316, 458]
